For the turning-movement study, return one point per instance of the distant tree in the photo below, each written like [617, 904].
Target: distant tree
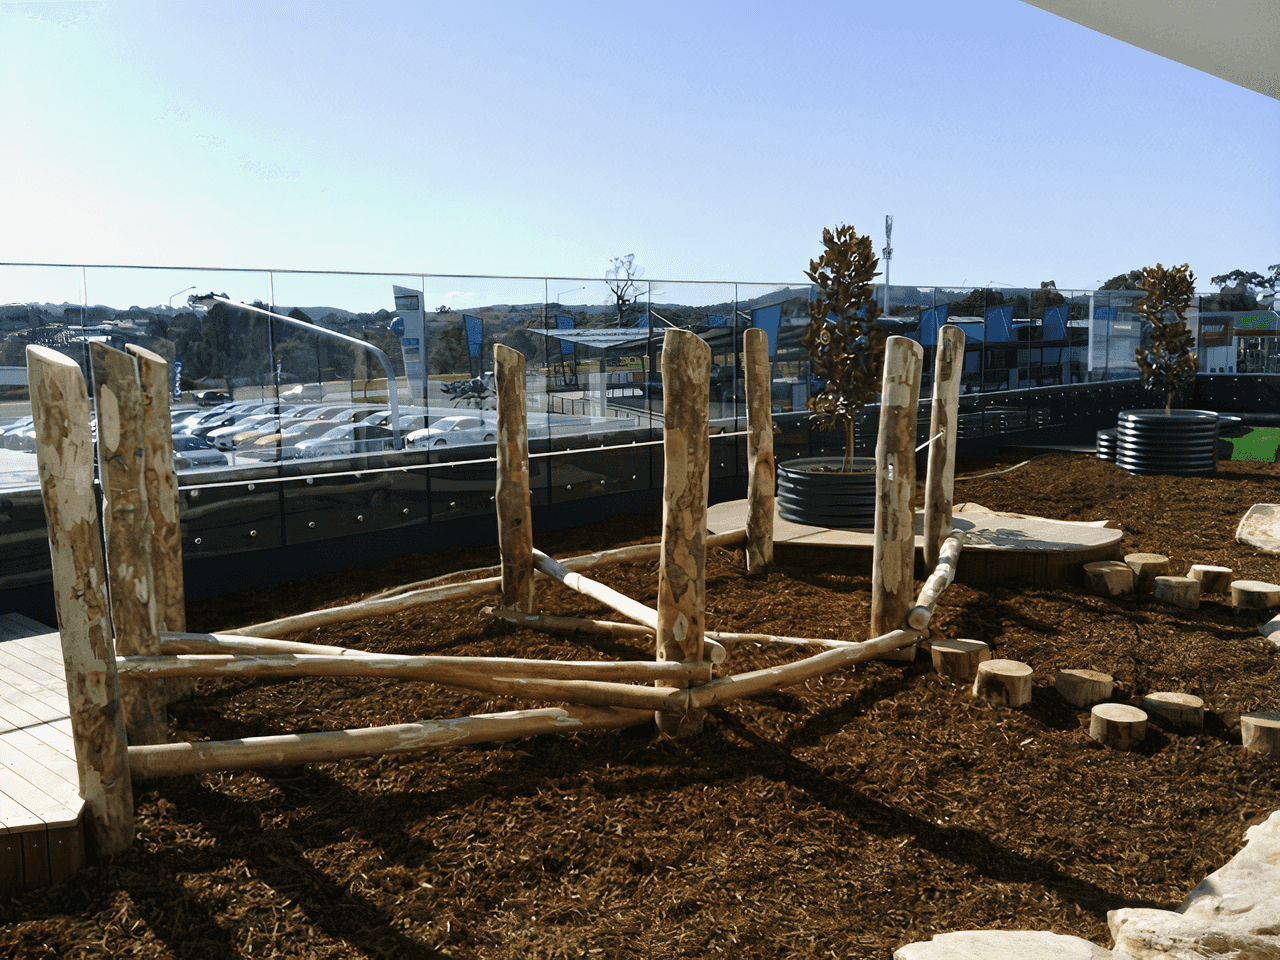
[1168, 362]
[624, 280]
[444, 308]
[1242, 286]
[1125, 281]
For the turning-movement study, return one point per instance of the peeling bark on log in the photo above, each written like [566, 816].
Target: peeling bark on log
[682, 573]
[894, 553]
[1003, 683]
[940, 478]
[515, 518]
[761, 469]
[64, 453]
[1084, 688]
[1118, 725]
[944, 572]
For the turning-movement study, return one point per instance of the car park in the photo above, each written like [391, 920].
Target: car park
[225, 438]
[189, 451]
[454, 431]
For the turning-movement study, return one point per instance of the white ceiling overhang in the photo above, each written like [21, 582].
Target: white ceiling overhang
[1236, 40]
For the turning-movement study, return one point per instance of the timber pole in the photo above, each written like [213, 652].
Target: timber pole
[894, 553]
[939, 492]
[760, 463]
[515, 519]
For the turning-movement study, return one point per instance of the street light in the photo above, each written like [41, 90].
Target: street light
[178, 294]
[570, 290]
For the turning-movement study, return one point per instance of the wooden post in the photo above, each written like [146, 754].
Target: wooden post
[1084, 688]
[127, 526]
[761, 477]
[894, 553]
[941, 477]
[64, 453]
[682, 569]
[515, 519]
[1003, 682]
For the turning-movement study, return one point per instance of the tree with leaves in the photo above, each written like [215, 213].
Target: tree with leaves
[1168, 362]
[845, 339]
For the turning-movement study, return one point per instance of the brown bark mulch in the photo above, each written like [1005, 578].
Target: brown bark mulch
[844, 817]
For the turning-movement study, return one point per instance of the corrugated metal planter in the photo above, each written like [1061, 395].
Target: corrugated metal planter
[1107, 444]
[817, 492]
[1182, 442]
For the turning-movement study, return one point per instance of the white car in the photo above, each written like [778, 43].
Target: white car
[345, 439]
[454, 431]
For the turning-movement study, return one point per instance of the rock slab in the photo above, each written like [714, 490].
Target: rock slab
[1002, 945]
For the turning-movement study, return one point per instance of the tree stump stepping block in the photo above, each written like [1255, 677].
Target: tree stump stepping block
[1118, 725]
[1146, 567]
[1212, 579]
[1180, 591]
[958, 659]
[1260, 732]
[1003, 683]
[1254, 595]
[1183, 711]
[1108, 578]
[1083, 688]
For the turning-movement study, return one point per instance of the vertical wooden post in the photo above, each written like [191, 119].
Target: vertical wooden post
[894, 553]
[760, 465]
[64, 453]
[161, 481]
[682, 573]
[940, 480]
[515, 520]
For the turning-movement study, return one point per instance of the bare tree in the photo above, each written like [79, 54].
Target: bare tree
[624, 280]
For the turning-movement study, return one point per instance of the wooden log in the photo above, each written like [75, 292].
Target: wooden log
[939, 491]
[1182, 711]
[553, 623]
[958, 659]
[1003, 683]
[1254, 595]
[1108, 578]
[126, 522]
[770, 679]
[1084, 688]
[1260, 732]
[682, 570]
[1271, 630]
[163, 502]
[1212, 579]
[944, 572]
[596, 591]
[1179, 591]
[761, 469]
[1146, 567]
[256, 753]
[894, 551]
[64, 454]
[515, 517]
[1118, 725]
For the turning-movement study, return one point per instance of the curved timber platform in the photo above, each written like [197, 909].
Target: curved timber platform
[998, 546]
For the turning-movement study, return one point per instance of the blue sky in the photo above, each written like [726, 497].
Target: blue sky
[712, 140]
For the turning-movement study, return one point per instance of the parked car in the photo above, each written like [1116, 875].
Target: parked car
[226, 438]
[189, 451]
[210, 398]
[454, 431]
[346, 439]
[10, 436]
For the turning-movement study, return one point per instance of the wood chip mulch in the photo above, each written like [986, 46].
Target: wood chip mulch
[845, 817]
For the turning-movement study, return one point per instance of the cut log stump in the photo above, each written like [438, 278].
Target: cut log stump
[1146, 567]
[1003, 683]
[1084, 688]
[1212, 579]
[958, 660]
[1254, 595]
[1108, 578]
[1182, 711]
[1118, 725]
[1179, 591]
[1260, 732]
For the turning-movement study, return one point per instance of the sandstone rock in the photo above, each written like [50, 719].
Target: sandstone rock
[1145, 934]
[1002, 945]
[1245, 891]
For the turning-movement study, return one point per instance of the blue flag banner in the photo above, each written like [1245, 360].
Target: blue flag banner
[565, 323]
[475, 334]
[767, 319]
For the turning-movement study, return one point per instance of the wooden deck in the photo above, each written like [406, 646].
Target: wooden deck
[41, 837]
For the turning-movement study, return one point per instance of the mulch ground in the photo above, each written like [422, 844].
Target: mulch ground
[842, 818]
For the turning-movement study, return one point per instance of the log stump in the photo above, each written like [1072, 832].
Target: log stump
[1254, 595]
[958, 660]
[1108, 578]
[1004, 683]
[1212, 579]
[1271, 630]
[1118, 725]
[1179, 591]
[1084, 688]
[1146, 567]
[1183, 711]
[1260, 732]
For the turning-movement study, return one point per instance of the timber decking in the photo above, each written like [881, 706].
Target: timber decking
[41, 837]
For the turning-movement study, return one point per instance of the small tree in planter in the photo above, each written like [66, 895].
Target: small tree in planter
[1168, 363]
[845, 342]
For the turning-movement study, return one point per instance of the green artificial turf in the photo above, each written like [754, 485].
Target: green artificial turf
[1260, 443]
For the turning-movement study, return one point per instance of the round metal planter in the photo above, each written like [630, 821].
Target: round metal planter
[1107, 444]
[1181, 443]
[815, 491]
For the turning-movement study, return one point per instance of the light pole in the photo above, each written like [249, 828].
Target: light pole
[570, 290]
[178, 294]
[888, 256]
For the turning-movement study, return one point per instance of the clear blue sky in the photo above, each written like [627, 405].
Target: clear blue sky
[712, 140]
